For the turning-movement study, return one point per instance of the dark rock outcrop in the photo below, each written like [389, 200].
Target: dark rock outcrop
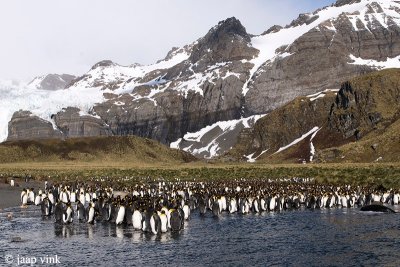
[365, 102]
[24, 125]
[72, 124]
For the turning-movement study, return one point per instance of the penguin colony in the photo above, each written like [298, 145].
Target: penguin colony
[159, 207]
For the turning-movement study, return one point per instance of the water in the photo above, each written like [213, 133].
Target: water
[335, 237]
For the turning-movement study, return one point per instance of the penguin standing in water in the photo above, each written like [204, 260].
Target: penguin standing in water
[155, 224]
[175, 221]
[137, 220]
[120, 215]
[215, 208]
[38, 199]
[31, 196]
[164, 222]
[58, 212]
[46, 207]
[182, 217]
[186, 211]
[129, 214]
[90, 213]
[82, 198]
[202, 206]
[24, 197]
[68, 215]
[113, 212]
[81, 212]
[146, 223]
[106, 211]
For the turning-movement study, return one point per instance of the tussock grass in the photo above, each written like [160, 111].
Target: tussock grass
[386, 174]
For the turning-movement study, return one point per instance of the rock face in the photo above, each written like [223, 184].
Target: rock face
[210, 80]
[360, 119]
[365, 103]
[52, 81]
[24, 125]
[320, 58]
[229, 74]
[73, 124]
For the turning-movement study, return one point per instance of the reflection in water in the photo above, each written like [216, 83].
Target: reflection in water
[321, 237]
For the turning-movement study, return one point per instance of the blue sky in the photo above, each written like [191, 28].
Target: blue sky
[47, 36]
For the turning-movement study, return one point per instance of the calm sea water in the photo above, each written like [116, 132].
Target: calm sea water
[335, 237]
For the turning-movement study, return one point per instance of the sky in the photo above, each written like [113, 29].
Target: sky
[70, 36]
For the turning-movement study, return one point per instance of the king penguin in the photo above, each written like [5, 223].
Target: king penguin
[68, 215]
[137, 220]
[120, 214]
[164, 221]
[155, 224]
[80, 209]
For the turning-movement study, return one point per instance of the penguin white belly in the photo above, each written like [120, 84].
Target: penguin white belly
[343, 202]
[87, 197]
[232, 206]
[262, 203]
[46, 211]
[67, 216]
[91, 215]
[256, 206]
[153, 225]
[24, 199]
[164, 222]
[51, 198]
[82, 199]
[224, 205]
[220, 205]
[247, 207]
[396, 199]
[272, 204]
[31, 197]
[186, 212]
[65, 198]
[137, 220]
[121, 215]
[38, 199]
[73, 197]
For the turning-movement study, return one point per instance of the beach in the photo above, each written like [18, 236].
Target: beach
[10, 196]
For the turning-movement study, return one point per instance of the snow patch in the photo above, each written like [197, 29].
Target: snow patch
[298, 140]
[389, 63]
[312, 147]
[321, 94]
[212, 148]
[250, 158]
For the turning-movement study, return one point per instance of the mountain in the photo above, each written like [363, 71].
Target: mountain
[358, 123]
[52, 81]
[226, 76]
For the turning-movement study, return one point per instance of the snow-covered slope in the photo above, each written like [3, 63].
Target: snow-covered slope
[216, 139]
[366, 12]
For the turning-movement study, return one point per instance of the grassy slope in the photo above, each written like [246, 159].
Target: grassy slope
[104, 150]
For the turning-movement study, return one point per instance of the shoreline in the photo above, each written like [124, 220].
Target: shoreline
[10, 196]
